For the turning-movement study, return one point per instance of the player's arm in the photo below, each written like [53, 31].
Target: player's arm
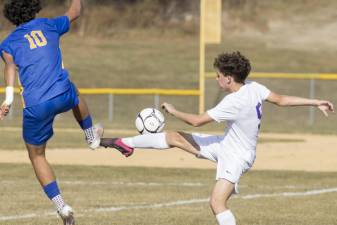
[74, 10]
[191, 119]
[284, 100]
[9, 76]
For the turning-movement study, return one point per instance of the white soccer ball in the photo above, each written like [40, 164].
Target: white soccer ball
[150, 120]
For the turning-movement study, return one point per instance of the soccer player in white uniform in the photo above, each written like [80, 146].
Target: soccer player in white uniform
[235, 150]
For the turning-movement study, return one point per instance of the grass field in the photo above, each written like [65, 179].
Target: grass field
[277, 36]
[151, 196]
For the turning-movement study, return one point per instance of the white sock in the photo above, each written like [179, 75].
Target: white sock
[89, 134]
[157, 141]
[58, 202]
[226, 218]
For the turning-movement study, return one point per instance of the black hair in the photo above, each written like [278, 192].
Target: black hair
[21, 11]
[233, 64]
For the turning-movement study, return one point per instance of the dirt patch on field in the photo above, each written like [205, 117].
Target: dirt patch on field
[314, 153]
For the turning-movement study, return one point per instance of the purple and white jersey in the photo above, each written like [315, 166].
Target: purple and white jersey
[243, 112]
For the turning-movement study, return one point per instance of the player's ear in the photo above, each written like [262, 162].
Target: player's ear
[229, 79]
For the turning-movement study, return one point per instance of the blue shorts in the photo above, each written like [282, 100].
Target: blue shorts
[38, 120]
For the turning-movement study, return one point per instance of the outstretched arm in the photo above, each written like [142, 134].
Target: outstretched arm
[74, 10]
[191, 119]
[9, 76]
[284, 100]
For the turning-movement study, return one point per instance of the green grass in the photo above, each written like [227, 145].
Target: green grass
[88, 189]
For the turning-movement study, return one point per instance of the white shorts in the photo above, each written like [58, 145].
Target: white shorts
[229, 167]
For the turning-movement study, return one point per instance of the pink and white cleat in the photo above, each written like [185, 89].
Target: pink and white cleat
[117, 144]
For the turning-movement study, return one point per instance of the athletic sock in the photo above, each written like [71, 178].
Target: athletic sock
[87, 127]
[89, 134]
[86, 123]
[226, 218]
[58, 202]
[53, 192]
[157, 141]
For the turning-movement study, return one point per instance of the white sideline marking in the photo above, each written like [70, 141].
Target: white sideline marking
[176, 203]
[289, 194]
[149, 206]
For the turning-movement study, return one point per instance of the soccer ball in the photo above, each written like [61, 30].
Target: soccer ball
[150, 120]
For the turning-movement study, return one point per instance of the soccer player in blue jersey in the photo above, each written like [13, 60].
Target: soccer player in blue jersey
[33, 49]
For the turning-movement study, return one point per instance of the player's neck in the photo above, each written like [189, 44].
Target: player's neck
[235, 87]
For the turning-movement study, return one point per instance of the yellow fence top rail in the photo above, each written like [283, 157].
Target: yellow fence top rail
[177, 92]
[303, 76]
[121, 91]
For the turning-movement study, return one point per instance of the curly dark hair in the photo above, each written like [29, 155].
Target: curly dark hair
[233, 64]
[21, 11]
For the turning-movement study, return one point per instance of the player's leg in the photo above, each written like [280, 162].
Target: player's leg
[47, 179]
[43, 171]
[83, 117]
[184, 141]
[167, 140]
[81, 112]
[37, 130]
[229, 170]
[45, 174]
[222, 191]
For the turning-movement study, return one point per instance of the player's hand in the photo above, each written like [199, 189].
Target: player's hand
[325, 107]
[4, 110]
[169, 108]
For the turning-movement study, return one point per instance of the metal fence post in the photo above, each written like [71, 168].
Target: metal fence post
[311, 108]
[156, 101]
[111, 107]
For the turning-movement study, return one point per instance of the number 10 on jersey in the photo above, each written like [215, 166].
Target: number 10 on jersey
[36, 39]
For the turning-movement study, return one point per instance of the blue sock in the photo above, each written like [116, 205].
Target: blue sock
[86, 123]
[51, 190]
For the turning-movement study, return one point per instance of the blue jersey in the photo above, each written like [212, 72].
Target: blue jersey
[36, 51]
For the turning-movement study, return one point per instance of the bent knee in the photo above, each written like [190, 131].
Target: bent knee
[217, 205]
[174, 138]
[213, 203]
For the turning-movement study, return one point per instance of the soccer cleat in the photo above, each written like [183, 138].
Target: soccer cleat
[98, 131]
[67, 215]
[117, 144]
